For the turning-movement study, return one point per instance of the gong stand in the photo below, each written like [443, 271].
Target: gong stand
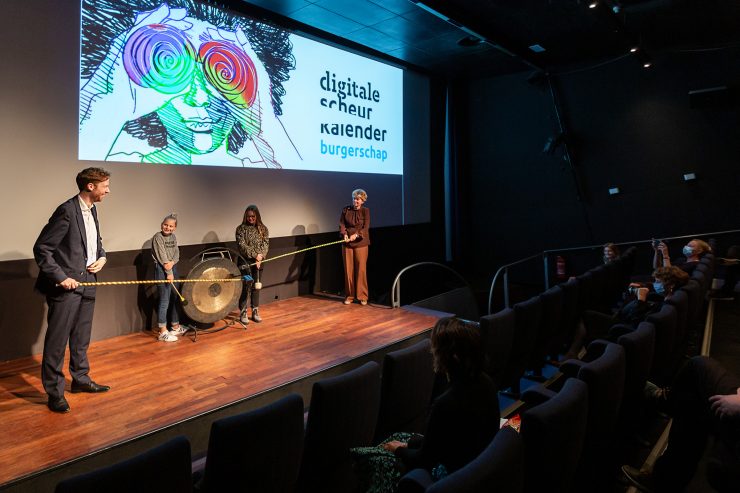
[214, 300]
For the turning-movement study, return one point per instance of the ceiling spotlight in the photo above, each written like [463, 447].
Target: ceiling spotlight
[593, 5]
[633, 49]
[647, 64]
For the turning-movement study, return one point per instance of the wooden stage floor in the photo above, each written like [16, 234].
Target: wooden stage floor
[155, 385]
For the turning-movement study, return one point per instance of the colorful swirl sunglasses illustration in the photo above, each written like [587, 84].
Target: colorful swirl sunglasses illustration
[162, 58]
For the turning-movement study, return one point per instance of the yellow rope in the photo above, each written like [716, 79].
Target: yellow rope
[300, 251]
[232, 279]
[154, 281]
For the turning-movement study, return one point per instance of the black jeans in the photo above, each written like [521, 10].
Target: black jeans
[693, 421]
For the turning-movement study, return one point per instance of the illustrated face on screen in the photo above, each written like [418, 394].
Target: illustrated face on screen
[181, 86]
[189, 82]
[212, 83]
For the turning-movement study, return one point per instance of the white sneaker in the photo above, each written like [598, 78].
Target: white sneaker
[178, 330]
[256, 315]
[243, 318]
[167, 337]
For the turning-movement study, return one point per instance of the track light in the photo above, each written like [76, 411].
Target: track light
[634, 49]
[593, 5]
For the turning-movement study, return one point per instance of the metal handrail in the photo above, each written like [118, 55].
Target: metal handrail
[505, 269]
[396, 287]
[546, 253]
[590, 247]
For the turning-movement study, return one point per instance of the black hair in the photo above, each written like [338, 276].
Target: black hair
[457, 349]
[104, 20]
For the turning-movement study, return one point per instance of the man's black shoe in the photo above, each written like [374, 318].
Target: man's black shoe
[90, 387]
[58, 404]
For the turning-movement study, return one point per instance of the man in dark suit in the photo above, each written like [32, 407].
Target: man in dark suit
[69, 251]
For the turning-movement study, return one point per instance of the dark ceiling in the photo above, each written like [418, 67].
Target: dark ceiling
[428, 34]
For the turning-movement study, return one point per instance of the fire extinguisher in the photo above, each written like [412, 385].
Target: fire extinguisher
[560, 268]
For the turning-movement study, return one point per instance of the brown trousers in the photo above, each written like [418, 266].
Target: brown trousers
[355, 272]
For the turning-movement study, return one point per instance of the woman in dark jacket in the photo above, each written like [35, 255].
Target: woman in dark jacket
[464, 419]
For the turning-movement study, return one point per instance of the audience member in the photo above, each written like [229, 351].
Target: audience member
[596, 325]
[464, 419]
[693, 251]
[611, 252]
[731, 263]
[704, 400]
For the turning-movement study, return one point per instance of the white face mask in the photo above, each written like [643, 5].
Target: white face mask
[688, 251]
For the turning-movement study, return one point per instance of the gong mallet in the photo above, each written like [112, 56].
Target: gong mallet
[258, 283]
[182, 298]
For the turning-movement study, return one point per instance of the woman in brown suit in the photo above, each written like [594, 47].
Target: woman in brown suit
[354, 227]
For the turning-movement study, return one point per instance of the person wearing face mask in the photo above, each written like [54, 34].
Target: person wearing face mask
[692, 254]
[596, 325]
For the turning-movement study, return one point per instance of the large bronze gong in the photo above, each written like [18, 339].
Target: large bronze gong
[211, 301]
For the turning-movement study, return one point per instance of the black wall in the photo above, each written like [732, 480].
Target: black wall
[626, 127]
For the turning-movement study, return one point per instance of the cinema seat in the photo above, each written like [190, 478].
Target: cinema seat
[163, 469]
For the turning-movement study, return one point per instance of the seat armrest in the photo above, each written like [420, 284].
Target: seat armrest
[618, 330]
[537, 395]
[594, 350]
[571, 367]
[415, 481]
